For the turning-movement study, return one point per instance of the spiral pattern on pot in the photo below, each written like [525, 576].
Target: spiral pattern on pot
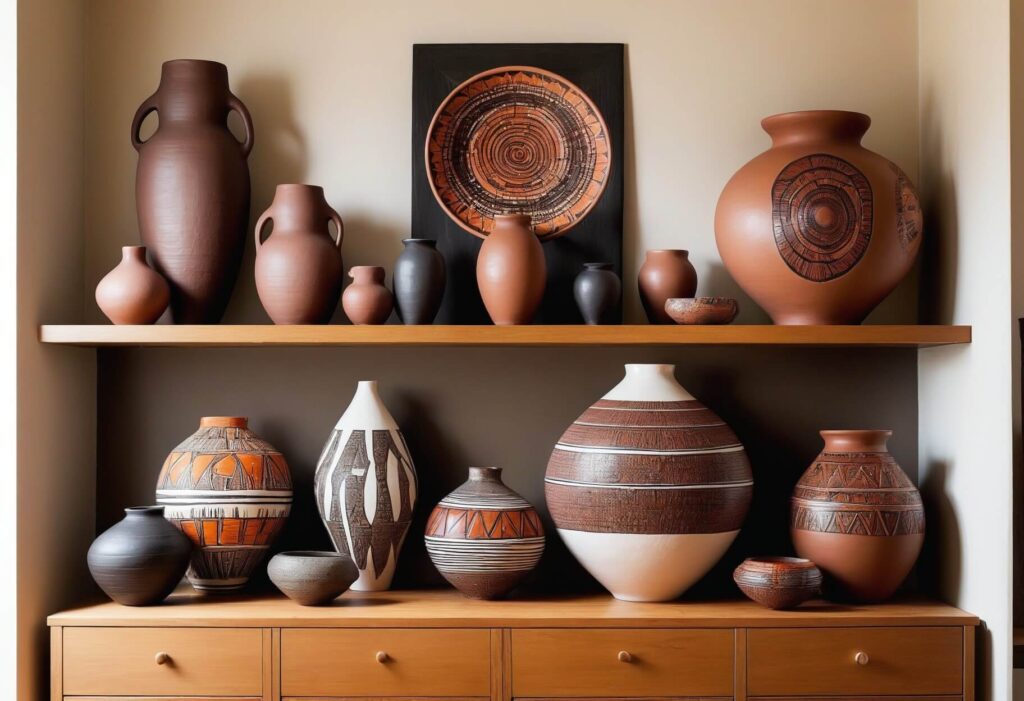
[821, 216]
[518, 140]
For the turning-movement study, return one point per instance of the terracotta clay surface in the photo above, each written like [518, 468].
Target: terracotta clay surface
[778, 582]
[858, 516]
[367, 300]
[192, 187]
[518, 139]
[511, 271]
[818, 229]
[702, 310]
[133, 293]
[310, 577]
[298, 268]
[665, 274]
[483, 537]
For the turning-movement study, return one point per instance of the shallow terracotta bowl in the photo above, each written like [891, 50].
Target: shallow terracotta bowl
[778, 582]
[702, 310]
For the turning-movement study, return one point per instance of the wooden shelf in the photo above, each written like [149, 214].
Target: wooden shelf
[337, 335]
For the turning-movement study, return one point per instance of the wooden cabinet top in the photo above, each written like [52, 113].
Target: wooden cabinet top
[448, 609]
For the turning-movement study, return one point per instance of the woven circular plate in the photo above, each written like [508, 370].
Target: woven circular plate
[520, 140]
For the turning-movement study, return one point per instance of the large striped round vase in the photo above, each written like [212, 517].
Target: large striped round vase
[483, 537]
[366, 488]
[230, 492]
[648, 488]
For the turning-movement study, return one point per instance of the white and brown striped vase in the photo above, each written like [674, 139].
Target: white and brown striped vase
[648, 488]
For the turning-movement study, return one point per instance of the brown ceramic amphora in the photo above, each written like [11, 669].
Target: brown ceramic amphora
[298, 268]
[367, 300]
[192, 187]
[510, 271]
[132, 293]
[857, 516]
[665, 274]
[818, 229]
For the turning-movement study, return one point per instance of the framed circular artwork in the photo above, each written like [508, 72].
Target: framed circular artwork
[518, 140]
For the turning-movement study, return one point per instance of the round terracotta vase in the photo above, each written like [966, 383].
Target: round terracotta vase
[665, 274]
[133, 293]
[192, 187]
[857, 516]
[818, 229]
[230, 492]
[367, 300]
[510, 271]
[298, 268]
[648, 488]
[483, 537]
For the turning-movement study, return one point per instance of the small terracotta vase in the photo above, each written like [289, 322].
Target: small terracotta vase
[298, 268]
[664, 275]
[133, 293]
[857, 516]
[483, 537]
[778, 582]
[367, 300]
[510, 271]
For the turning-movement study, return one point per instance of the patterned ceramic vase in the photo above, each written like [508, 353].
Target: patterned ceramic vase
[366, 488]
[648, 488]
[483, 537]
[230, 492]
[858, 516]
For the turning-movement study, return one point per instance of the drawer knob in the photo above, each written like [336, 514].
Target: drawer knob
[861, 658]
[382, 657]
[162, 658]
[625, 657]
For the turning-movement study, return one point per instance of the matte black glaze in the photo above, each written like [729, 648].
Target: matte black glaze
[419, 281]
[597, 290]
[312, 577]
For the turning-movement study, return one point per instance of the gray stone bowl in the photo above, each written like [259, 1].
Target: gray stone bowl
[312, 577]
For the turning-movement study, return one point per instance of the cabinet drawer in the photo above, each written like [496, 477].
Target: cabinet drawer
[609, 663]
[825, 661]
[330, 662]
[199, 662]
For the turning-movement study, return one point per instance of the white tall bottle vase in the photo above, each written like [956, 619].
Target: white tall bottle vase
[366, 488]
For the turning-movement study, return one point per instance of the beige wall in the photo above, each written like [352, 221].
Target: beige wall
[329, 85]
[56, 386]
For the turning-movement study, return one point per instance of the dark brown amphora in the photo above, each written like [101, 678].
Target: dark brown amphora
[192, 187]
[298, 268]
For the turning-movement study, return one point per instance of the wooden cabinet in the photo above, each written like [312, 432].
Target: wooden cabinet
[437, 646]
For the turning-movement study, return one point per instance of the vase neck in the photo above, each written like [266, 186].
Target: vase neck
[193, 90]
[366, 410]
[367, 274]
[859, 441]
[816, 126]
[485, 474]
[133, 253]
[299, 208]
[668, 253]
[597, 266]
[224, 422]
[134, 512]
[649, 383]
[429, 243]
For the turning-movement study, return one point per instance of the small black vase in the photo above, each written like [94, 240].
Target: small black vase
[139, 560]
[598, 292]
[418, 281]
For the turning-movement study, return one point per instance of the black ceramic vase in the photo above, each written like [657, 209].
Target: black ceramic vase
[419, 280]
[598, 290]
[139, 560]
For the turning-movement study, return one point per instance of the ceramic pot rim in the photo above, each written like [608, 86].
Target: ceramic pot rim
[144, 510]
[682, 252]
[429, 242]
[224, 422]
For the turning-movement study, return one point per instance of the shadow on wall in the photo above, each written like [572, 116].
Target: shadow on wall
[719, 283]
[939, 568]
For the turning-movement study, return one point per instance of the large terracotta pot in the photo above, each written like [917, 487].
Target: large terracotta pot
[665, 274]
[857, 516]
[483, 537]
[510, 271]
[817, 229]
[648, 488]
[298, 268]
[366, 488]
[192, 187]
[230, 492]
[133, 293]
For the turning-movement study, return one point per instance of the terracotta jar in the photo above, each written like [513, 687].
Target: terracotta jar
[648, 488]
[857, 516]
[298, 268]
[192, 187]
[483, 537]
[367, 300]
[510, 271]
[664, 275]
[133, 293]
[366, 488]
[817, 229]
[230, 492]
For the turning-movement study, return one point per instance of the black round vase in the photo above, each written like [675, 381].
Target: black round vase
[419, 280]
[597, 290]
[139, 560]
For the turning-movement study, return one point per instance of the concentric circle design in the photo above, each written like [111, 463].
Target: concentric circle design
[520, 140]
[822, 216]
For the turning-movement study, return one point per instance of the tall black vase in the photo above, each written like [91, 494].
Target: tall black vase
[597, 290]
[419, 280]
[139, 560]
